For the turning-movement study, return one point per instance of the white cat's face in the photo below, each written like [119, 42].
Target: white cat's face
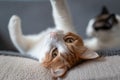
[103, 25]
[62, 51]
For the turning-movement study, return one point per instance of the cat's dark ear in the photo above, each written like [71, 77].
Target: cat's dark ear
[112, 19]
[104, 10]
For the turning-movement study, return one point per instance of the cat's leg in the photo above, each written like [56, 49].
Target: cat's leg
[18, 39]
[61, 15]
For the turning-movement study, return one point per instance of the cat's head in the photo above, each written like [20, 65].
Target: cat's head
[103, 24]
[62, 51]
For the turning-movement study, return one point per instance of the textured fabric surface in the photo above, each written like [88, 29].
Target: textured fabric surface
[109, 52]
[107, 68]
[10, 53]
[17, 68]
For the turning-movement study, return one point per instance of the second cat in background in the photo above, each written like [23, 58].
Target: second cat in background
[104, 30]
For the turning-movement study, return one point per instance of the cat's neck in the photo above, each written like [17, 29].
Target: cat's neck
[109, 39]
[109, 42]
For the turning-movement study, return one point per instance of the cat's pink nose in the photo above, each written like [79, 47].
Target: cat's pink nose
[53, 34]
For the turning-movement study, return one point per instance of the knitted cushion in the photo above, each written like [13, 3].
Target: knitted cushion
[18, 68]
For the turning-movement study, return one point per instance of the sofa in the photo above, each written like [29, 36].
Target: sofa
[14, 66]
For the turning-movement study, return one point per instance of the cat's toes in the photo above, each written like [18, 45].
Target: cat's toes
[14, 20]
[14, 24]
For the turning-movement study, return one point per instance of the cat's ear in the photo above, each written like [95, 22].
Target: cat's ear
[112, 19]
[104, 10]
[58, 72]
[89, 54]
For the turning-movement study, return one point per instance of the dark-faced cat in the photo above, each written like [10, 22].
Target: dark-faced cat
[104, 30]
[58, 48]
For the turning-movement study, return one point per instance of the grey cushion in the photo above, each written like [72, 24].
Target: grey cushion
[18, 68]
[109, 51]
[107, 68]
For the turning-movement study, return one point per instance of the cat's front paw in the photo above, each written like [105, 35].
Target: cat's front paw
[14, 25]
[14, 20]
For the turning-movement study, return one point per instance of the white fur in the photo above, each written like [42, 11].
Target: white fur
[103, 39]
[62, 16]
[39, 44]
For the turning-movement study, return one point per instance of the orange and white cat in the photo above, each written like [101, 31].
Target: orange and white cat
[58, 48]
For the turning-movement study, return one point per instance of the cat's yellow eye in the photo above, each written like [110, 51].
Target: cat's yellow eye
[69, 40]
[54, 53]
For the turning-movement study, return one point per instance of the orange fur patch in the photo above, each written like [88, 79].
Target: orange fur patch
[69, 59]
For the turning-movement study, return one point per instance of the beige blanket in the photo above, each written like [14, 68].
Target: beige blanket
[17, 68]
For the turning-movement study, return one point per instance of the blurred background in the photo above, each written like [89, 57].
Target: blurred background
[36, 15]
